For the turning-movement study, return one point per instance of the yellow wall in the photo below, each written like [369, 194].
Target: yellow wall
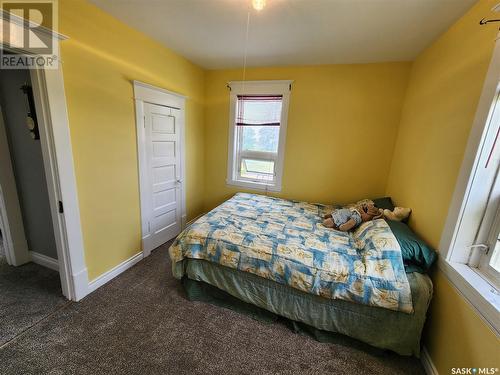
[342, 125]
[445, 85]
[100, 59]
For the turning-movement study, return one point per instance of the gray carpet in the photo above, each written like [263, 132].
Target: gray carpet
[141, 323]
[28, 294]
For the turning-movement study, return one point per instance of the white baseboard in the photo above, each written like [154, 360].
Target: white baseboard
[427, 363]
[45, 261]
[112, 273]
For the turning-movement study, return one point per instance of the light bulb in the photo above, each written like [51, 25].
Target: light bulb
[258, 4]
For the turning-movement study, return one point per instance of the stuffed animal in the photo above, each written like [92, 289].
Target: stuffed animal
[345, 219]
[398, 214]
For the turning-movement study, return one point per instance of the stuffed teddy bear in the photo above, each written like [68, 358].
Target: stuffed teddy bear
[398, 214]
[345, 219]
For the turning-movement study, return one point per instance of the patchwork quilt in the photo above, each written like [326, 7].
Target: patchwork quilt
[285, 241]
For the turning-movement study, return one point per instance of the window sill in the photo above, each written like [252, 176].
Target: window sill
[476, 290]
[254, 185]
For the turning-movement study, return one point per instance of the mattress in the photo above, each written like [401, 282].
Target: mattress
[285, 241]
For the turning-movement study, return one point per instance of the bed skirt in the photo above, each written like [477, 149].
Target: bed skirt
[378, 327]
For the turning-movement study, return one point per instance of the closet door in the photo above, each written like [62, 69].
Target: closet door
[163, 173]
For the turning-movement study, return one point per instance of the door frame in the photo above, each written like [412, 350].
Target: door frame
[55, 137]
[146, 93]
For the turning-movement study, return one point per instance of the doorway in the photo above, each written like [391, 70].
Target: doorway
[30, 285]
[52, 115]
[23, 174]
[55, 141]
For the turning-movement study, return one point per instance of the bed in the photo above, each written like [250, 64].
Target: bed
[276, 254]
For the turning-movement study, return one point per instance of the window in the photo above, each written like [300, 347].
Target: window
[489, 262]
[471, 240]
[485, 252]
[258, 118]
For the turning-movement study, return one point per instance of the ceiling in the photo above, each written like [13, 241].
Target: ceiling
[212, 33]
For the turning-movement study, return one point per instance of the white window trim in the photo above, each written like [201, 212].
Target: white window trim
[454, 254]
[258, 88]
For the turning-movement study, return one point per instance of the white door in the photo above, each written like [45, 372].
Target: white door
[164, 179]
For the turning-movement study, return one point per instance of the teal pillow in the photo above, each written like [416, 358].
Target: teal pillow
[417, 255]
[384, 203]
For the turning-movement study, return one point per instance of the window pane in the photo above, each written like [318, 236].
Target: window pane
[495, 257]
[260, 138]
[259, 110]
[257, 169]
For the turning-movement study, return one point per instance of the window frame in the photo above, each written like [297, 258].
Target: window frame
[470, 217]
[486, 187]
[281, 88]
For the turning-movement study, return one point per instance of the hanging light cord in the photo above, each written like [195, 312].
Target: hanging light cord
[246, 49]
